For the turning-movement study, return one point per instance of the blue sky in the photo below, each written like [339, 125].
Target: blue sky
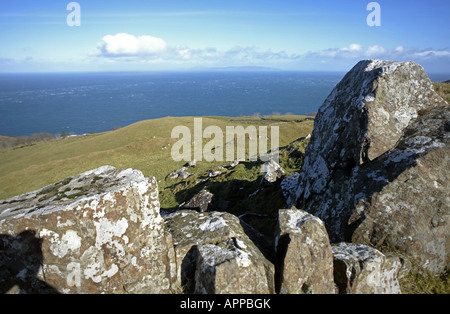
[192, 34]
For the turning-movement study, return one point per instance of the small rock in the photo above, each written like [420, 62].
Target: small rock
[235, 163]
[214, 173]
[184, 175]
[201, 202]
[272, 172]
[360, 269]
[179, 173]
[192, 163]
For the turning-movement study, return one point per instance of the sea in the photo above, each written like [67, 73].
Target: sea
[81, 103]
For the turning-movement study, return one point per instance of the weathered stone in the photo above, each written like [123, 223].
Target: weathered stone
[196, 233]
[360, 269]
[230, 267]
[214, 173]
[235, 163]
[304, 257]
[179, 173]
[377, 162]
[97, 232]
[406, 206]
[201, 202]
[192, 163]
[272, 172]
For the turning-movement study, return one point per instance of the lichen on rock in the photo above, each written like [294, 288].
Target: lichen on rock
[108, 239]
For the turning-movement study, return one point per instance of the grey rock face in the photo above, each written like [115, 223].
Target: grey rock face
[98, 232]
[289, 186]
[377, 162]
[406, 206]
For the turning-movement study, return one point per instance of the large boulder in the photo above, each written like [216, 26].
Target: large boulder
[214, 255]
[97, 232]
[377, 162]
[360, 269]
[304, 255]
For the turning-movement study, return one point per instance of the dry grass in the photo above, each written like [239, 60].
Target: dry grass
[443, 89]
[419, 281]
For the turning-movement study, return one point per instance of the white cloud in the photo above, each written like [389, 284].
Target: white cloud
[126, 45]
[432, 53]
[357, 51]
[355, 47]
[376, 50]
[345, 57]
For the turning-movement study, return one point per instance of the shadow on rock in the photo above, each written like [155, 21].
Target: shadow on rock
[20, 261]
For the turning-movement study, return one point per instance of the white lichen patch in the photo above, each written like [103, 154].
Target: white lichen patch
[107, 230]
[243, 258]
[297, 218]
[403, 116]
[213, 224]
[70, 241]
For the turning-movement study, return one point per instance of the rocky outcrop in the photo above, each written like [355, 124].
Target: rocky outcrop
[101, 232]
[375, 173]
[360, 269]
[376, 168]
[304, 255]
[214, 255]
[412, 212]
[97, 232]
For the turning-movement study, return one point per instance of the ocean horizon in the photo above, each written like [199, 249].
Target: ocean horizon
[85, 102]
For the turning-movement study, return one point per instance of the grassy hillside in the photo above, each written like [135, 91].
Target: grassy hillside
[145, 145]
